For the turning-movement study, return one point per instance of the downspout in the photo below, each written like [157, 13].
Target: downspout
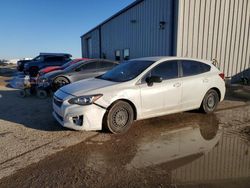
[100, 42]
[174, 26]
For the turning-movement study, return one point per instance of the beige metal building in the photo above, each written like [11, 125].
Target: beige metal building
[216, 29]
[206, 29]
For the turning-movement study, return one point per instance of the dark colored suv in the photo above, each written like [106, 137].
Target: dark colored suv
[43, 60]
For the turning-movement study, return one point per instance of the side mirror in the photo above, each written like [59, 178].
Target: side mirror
[153, 79]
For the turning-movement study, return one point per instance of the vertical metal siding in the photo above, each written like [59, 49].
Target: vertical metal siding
[143, 38]
[94, 35]
[217, 29]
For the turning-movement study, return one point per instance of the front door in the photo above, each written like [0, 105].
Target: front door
[161, 98]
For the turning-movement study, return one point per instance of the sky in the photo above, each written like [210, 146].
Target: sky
[28, 27]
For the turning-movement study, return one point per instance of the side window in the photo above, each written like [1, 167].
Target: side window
[54, 59]
[166, 70]
[89, 66]
[190, 68]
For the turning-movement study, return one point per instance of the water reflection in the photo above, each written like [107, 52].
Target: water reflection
[182, 149]
[175, 144]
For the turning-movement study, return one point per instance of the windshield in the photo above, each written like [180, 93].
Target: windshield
[126, 71]
[37, 58]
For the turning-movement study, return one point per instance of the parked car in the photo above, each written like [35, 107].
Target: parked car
[54, 68]
[78, 71]
[139, 89]
[44, 60]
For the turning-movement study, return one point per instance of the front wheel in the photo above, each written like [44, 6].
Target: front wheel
[42, 94]
[60, 82]
[119, 117]
[210, 101]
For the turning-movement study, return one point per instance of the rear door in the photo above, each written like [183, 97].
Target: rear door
[164, 97]
[195, 81]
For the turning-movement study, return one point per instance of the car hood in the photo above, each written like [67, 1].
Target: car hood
[83, 86]
[50, 69]
[53, 74]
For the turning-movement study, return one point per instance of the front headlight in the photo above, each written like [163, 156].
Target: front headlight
[85, 100]
[43, 82]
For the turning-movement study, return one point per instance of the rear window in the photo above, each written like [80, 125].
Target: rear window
[89, 66]
[104, 64]
[190, 68]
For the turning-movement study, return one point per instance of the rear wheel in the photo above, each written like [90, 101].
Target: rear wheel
[60, 82]
[119, 117]
[210, 101]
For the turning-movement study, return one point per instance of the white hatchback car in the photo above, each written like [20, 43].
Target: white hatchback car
[139, 89]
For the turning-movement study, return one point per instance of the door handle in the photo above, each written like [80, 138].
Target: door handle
[178, 84]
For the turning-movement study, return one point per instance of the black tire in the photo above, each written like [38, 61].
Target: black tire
[210, 102]
[41, 94]
[119, 117]
[60, 82]
[22, 93]
[33, 71]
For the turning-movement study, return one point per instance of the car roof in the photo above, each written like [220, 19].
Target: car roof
[55, 54]
[158, 58]
[105, 60]
[154, 58]
[85, 61]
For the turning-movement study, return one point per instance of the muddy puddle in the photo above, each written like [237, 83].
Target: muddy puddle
[187, 149]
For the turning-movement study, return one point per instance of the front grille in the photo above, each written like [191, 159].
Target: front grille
[58, 101]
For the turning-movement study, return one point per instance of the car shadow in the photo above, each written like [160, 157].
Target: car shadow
[30, 112]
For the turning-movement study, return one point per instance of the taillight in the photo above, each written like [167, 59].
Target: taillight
[222, 75]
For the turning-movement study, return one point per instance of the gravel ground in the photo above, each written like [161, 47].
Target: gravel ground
[28, 131]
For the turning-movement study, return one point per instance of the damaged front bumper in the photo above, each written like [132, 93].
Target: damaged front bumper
[78, 117]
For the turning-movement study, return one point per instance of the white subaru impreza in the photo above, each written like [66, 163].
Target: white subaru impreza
[139, 89]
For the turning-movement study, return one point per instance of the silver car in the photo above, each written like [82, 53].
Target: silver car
[78, 71]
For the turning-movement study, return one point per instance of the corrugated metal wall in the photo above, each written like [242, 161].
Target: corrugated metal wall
[217, 29]
[139, 30]
[144, 37]
[94, 35]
